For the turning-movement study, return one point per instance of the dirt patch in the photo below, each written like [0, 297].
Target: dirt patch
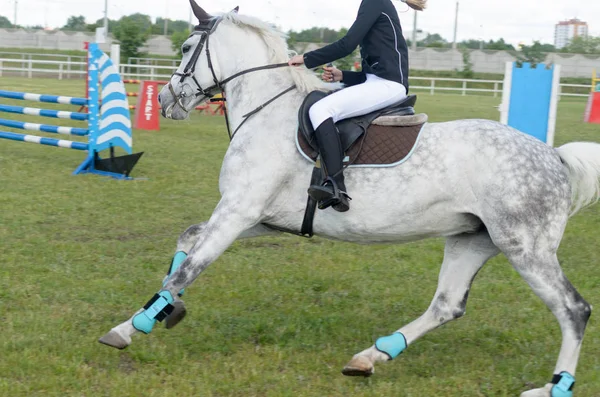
[126, 363]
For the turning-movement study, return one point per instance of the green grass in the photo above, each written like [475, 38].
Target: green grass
[273, 316]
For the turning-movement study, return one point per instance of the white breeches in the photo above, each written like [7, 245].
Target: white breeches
[374, 94]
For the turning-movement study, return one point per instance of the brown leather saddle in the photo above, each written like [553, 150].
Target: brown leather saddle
[384, 138]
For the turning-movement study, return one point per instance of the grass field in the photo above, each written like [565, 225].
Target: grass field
[273, 316]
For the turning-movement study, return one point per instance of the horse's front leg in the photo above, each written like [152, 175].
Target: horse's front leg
[211, 239]
[185, 243]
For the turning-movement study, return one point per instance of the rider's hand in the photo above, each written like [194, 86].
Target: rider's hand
[332, 74]
[296, 60]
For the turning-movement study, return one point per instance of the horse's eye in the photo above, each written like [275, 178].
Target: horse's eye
[186, 49]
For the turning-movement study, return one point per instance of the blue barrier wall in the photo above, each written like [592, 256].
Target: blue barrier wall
[531, 94]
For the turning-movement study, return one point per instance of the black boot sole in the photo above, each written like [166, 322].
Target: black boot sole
[326, 198]
[321, 193]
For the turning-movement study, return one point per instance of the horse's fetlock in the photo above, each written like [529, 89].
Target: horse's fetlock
[456, 314]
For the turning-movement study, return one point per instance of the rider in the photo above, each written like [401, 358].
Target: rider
[382, 82]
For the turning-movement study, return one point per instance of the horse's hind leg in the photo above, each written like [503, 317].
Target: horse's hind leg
[541, 270]
[464, 256]
[120, 336]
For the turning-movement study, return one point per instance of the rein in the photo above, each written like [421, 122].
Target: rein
[205, 29]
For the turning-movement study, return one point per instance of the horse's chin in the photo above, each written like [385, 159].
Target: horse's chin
[174, 112]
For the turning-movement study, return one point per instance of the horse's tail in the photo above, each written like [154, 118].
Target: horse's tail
[583, 162]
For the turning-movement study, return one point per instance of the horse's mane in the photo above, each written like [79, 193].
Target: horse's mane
[306, 80]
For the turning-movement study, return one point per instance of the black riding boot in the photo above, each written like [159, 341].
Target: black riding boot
[333, 191]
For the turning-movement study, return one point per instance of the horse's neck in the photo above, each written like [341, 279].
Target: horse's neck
[253, 90]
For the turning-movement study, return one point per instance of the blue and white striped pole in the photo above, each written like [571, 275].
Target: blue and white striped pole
[43, 141]
[25, 96]
[53, 129]
[57, 114]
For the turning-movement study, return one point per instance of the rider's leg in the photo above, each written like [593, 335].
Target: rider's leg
[374, 94]
[333, 192]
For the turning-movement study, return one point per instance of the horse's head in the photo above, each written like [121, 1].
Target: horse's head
[197, 78]
[222, 49]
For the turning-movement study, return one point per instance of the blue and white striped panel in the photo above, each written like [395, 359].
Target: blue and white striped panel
[115, 123]
[43, 141]
[44, 112]
[53, 129]
[25, 96]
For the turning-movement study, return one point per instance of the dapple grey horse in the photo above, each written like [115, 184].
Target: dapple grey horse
[485, 187]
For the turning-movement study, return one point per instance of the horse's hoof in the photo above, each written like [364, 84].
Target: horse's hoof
[114, 339]
[543, 392]
[176, 315]
[359, 366]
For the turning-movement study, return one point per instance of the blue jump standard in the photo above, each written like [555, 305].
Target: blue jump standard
[106, 130]
[44, 112]
[44, 141]
[26, 96]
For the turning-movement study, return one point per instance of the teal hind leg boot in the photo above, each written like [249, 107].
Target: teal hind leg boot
[178, 259]
[157, 309]
[563, 385]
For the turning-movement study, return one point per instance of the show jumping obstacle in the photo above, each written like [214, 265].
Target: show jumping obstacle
[108, 118]
[530, 99]
[592, 111]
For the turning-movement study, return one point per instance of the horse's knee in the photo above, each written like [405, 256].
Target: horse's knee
[188, 238]
[579, 314]
[445, 309]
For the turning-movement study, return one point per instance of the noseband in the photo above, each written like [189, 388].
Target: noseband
[205, 29]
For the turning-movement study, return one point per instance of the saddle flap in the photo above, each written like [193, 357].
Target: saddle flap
[304, 119]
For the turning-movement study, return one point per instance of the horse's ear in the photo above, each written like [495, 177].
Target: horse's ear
[199, 12]
[236, 9]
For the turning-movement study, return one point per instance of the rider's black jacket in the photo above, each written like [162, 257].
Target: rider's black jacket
[383, 49]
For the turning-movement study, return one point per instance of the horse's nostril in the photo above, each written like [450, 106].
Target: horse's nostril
[159, 100]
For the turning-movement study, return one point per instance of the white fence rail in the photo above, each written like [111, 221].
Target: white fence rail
[69, 69]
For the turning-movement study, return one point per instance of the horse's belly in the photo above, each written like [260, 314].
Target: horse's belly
[370, 228]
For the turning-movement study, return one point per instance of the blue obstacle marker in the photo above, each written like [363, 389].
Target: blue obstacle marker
[109, 124]
[530, 99]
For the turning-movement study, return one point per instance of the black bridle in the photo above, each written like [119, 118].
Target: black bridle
[205, 29]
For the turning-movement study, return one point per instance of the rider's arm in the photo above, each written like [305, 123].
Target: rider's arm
[353, 78]
[368, 13]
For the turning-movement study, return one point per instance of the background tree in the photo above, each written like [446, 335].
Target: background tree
[467, 71]
[112, 25]
[433, 41]
[132, 32]
[5, 23]
[172, 26]
[533, 54]
[316, 35]
[177, 40]
[76, 24]
[583, 45]
[499, 45]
